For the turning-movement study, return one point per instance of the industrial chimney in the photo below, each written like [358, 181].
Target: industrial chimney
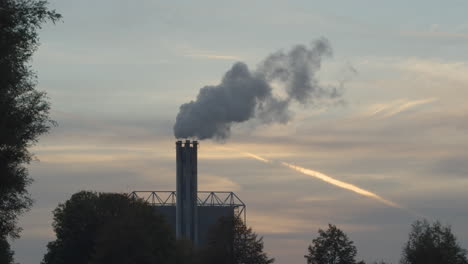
[192, 213]
[186, 204]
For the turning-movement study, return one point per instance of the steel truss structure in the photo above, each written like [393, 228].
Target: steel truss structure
[205, 198]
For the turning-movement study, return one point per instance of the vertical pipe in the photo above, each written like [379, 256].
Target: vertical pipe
[187, 206]
[187, 191]
[179, 189]
[195, 191]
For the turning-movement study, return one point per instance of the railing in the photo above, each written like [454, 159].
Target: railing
[156, 198]
[169, 198]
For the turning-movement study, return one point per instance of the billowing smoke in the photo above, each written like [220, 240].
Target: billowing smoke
[244, 94]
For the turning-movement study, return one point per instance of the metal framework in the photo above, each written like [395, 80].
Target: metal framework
[205, 198]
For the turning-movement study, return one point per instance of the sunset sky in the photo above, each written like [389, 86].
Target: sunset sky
[117, 71]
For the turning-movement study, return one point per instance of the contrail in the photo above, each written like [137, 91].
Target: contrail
[382, 111]
[408, 105]
[328, 179]
[340, 184]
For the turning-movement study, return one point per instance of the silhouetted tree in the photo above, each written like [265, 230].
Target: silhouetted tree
[185, 252]
[375, 262]
[6, 254]
[24, 111]
[109, 228]
[231, 242]
[331, 247]
[432, 244]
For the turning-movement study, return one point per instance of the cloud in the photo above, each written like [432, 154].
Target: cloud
[455, 166]
[37, 227]
[434, 68]
[435, 34]
[407, 105]
[62, 55]
[217, 183]
[215, 56]
[418, 70]
[187, 50]
[314, 199]
[87, 158]
[267, 223]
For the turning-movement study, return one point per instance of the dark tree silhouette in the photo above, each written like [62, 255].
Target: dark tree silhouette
[24, 111]
[432, 244]
[109, 228]
[331, 247]
[6, 254]
[186, 253]
[231, 242]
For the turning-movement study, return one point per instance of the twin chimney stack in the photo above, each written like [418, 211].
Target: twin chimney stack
[186, 207]
[194, 213]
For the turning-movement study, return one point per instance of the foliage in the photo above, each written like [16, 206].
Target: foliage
[109, 228]
[432, 244]
[185, 252]
[6, 254]
[331, 247]
[24, 111]
[231, 242]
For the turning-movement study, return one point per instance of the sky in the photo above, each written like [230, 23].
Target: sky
[117, 71]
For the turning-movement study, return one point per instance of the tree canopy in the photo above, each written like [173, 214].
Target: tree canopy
[232, 242]
[6, 254]
[332, 246]
[24, 111]
[109, 228]
[432, 244]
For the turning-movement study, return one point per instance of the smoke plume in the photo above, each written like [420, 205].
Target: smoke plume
[244, 94]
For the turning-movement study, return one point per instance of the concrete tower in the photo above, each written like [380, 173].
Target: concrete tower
[186, 203]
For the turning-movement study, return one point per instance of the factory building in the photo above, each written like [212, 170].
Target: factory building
[190, 212]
